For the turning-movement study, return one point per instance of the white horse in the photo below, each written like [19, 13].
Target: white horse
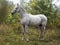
[30, 20]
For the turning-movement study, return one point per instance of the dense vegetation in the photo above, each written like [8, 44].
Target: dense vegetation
[47, 8]
[10, 27]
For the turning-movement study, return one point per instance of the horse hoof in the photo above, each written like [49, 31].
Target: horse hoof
[22, 39]
[27, 40]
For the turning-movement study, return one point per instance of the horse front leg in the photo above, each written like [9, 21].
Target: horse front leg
[26, 30]
[23, 30]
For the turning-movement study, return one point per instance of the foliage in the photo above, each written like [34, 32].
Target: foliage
[10, 29]
[13, 19]
[9, 35]
[3, 11]
[45, 7]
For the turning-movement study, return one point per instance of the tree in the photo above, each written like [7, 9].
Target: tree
[3, 11]
[44, 7]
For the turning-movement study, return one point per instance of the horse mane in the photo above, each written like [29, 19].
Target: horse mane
[23, 9]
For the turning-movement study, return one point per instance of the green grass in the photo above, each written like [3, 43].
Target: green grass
[10, 35]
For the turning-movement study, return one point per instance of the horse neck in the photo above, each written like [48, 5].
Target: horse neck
[22, 12]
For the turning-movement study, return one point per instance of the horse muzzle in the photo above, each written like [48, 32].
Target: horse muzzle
[12, 13]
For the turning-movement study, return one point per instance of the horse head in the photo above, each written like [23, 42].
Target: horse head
[15, 9]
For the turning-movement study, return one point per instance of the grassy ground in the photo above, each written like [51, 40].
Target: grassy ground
[10, 35]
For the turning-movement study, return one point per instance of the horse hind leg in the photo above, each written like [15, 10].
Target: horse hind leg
[42, 31]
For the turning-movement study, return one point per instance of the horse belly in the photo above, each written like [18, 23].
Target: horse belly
[35, 21]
